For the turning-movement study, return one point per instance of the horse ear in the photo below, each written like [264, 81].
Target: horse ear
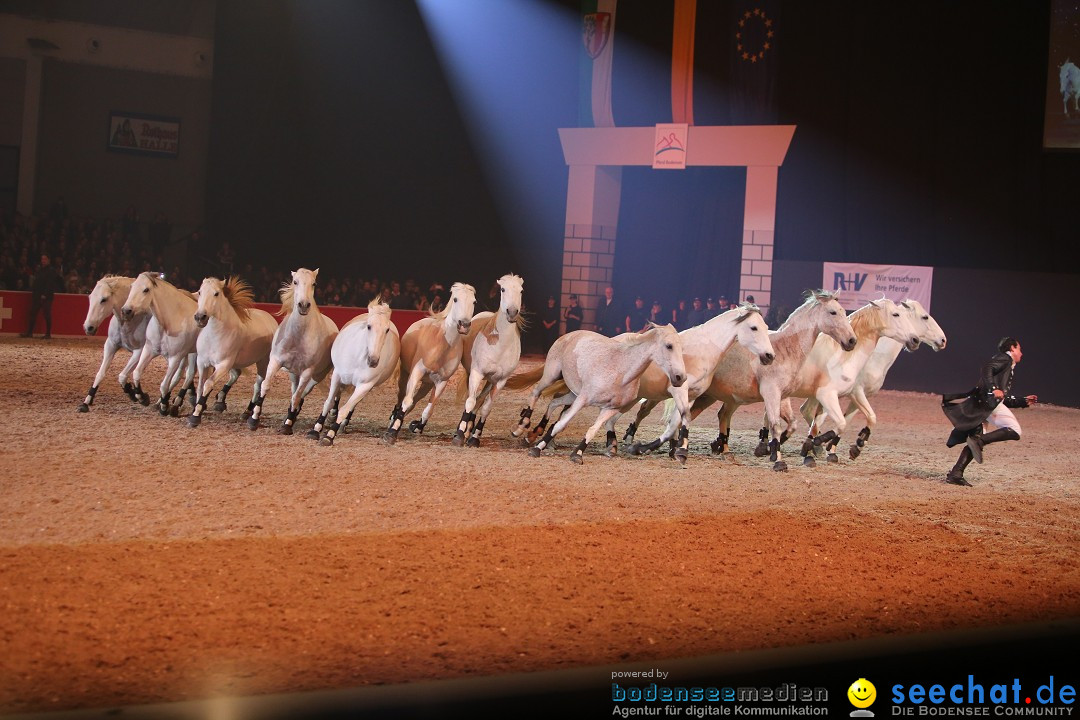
[315, 272]
[293, 273]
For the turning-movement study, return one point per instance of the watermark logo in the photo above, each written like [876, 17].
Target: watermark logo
[862, 695]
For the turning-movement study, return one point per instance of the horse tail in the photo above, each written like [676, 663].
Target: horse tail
[669, 408]
[558, 387]
[517, 381]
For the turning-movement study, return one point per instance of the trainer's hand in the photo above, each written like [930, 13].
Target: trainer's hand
[1032, 399]
[999, 394]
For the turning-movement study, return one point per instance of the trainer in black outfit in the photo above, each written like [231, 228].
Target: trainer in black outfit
[47, 281]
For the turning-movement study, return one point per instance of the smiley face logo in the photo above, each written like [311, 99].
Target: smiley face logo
[862, 693]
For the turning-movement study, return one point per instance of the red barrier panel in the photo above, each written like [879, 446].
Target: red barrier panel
[69, 311]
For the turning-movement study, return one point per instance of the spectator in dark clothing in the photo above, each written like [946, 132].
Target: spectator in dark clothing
[679, 316]
[608, 319]
[573, 315]
[637, 319]
[46, 283]
[550, 321]
[696, 316]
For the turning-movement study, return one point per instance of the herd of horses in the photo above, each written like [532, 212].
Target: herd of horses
[819, 354]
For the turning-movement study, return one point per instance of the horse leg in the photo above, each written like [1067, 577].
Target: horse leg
[256, 390]
[219, 401]
[204, 391]
[172, 373]
[436, 392]
[405, 402]
[639, 448]
[771, 396]
[333, 427]
[490, 391]
[859, 402]
[468, 415]
[137, 394]
[125, 375]
[301, 387]
[606, 415]
[558, 403]
[831, 403]
[106, 360]
[331, 402]
[564, 420]
[256, 410]
[611, 444]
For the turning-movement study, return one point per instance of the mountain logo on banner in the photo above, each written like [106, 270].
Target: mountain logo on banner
[595, 32]
[669, 152]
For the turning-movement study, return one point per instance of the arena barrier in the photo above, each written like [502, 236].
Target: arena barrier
[69, 311]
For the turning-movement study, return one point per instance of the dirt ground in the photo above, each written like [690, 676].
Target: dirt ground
[143, 561]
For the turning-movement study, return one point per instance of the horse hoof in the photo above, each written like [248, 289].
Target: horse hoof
[635, 449]
[253, 423]
[774, 456]
[193, 421]
[832, 458]
[83, 407]
[855, 451]
[219, 407]
[144, 401]
[326, 441]
[473, 442]
[780, 466]
[717, 447]
[163, 410]
[860, 442]
[807, 447]
[729, 456]
[809, 461]
[534, 452]
[525, 442]
[681, 456]
[313, 434]
[612, 451]
[576, 459]
[286, 430]
[761, 450]
[174, 411]
[389, 437]
[459, 438]
[416, 427]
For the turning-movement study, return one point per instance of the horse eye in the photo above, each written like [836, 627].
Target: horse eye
[502, 289]
[455, 299]
[216, 293]
[896, 314]
[832, 312]
[102, 301]
[925, 317]
[295, 283]
[146, 290]
[669, 346]
[386, 331]
[753, 328]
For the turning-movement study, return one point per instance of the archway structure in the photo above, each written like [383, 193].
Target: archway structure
[596, 157]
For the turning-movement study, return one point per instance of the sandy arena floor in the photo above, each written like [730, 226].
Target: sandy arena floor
[143, 561]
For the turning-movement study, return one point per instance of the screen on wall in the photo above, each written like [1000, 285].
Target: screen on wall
[1061, 123]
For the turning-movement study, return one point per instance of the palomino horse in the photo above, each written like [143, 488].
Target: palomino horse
[430, 355]
[601, 372]
[301, 345]
[490, 353]
[365, 353]
[830, 372]
[872, 376]
[741, 378]
[106, 299]
[703, 346]
[173, 309]
[234, 336]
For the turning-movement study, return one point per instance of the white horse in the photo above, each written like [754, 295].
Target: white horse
[365, 353]
[235, 335]
[872, 376]
[1070, 85]
[108, 296]
[740, 378]
[490, 354]
[301, 345]
[430, 355]
[703, 346]
[830, 372]
[601, 372]
[173, 309]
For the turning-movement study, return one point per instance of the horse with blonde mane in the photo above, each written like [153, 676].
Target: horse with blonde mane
[430, 355]
[235, 334]
[490, 354]
[301, 345]
[107, 297]
[364, 354]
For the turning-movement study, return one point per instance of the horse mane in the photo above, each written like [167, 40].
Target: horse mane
[286, 293]
[813, 297]
[865, 321]
[378, 307]
[240, 295]
[746, 309]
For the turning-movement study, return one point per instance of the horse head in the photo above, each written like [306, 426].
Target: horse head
[211, 297]
[378, 327]
[832, 319]
[459, 310]
[140, 296]
[667, 352]
[925, 326]
[510, 287]
[103, 300]
[752, 333]
[301, 291]
[893, 322]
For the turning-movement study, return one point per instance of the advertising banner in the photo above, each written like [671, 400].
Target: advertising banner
[858, 284]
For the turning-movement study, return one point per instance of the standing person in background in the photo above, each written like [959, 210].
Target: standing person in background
[679, 316]
[608, 319]
[46, 283]
[550, 321]
[573, 315]
[637, 319]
